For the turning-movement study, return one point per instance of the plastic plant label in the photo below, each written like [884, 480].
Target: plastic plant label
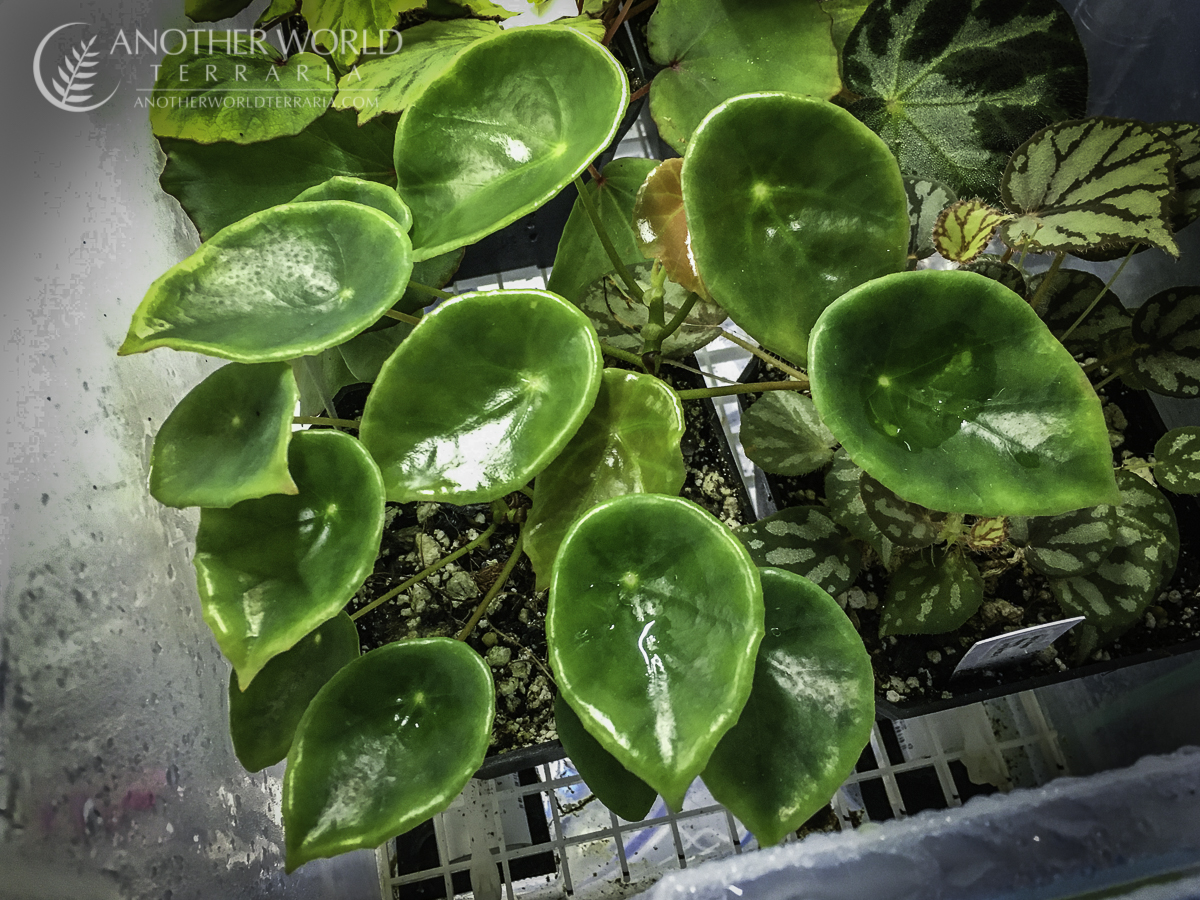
[1013, 647]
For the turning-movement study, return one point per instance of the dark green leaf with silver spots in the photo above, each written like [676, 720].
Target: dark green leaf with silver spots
[926, 200]
[991, 266]
[1177, 460]
[930, 597]
[1167, 329]
[804, 540]
[1072, 543]
[783, 434]
[903, 523]
[846, 506]
[1066, 297]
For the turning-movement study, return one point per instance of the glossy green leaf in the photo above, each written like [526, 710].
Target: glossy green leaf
[227, 440]
[904, 524]
[954, 86]
[390, 741]
[347, 28]
[217, 184]
[213, 10]
[391, 83]
[271, 570]
[527, 370]
[660, 225]
[277, 11]
[931, 595]
[580, 259]
[478, 148]
[654, 617]
[779, 236]
[629, 443]
[964, 229]
[845, 15]
[263, 718]
[365, 354]
[1117, 593]
[1091, 183]
[359, 190]
[240, 97]
[288, 281]
[1177, 460]
[806, 541]
[436, 272]
[1063, 301]
[1167, 330]
[320, 378]
[614, 785]
[619, 317]
[926, 200]
[783, 434]
[808, 718]
[1069, 544]
[847, 508]
[949, 389]
[713, 50]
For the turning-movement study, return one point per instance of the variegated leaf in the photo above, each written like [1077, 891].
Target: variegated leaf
[901, 522]
[988, 533]
[1144, 506]
[954, 86]
[1061, 302]
[1066, 545]
[1185, 207]
[926, 200]
[846, 506]
[963, 230]
[930, 596]
[993, 267]
[783, 434]
[1167, 330]
[1091, 183]
[1177, 460]
[804, 540]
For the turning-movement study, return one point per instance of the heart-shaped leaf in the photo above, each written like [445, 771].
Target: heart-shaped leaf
[654, 617]
[479, 148]
[843, 493]
[947, 388]
[359, 190]
[1069, 544]
[1091, 183]
[217, 184]
[528, 370]
[390, 83]
[713, 50]
[964, 229]
[1167, 330]
[629, 443]
[286, 282]
[580, 259]
[783, 434]
[661, 228]
[227, 440]
[388, 742]
[1064, 300]
[903, 523]
[808, 717]
[614, 785]
[1177, 460]
[931, 593]
[779, 236]
[1116, 594]
[263, 718]
[806, 541]
[243, 97]
[619, 317]
[271, 570]
[955, 87]
[926, 200]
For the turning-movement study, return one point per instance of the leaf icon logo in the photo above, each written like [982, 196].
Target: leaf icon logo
[72, 86]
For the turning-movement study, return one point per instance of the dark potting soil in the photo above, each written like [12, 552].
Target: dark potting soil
[913, 672]
[511, 634]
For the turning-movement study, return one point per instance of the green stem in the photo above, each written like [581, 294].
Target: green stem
[432, 291]
[1083, 315]
[705, 393]
[425, 573]
[1109, 361]
[321, 420]
[602, 233]
[1132, 467]
[623, 355]
[402, 317]
[1106, 380]
[765, 357]
[680, 314]
[495, 589]
[1046, 279]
